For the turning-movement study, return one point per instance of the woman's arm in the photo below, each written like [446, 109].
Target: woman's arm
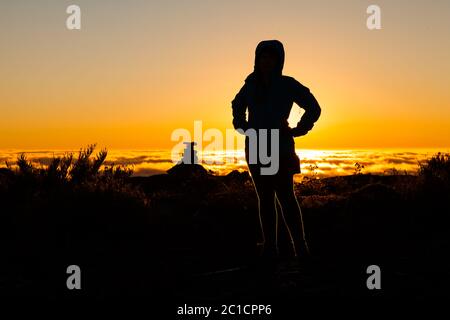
[306, 100]
[239, 106]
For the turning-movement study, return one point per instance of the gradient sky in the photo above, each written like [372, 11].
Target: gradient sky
[139, 69]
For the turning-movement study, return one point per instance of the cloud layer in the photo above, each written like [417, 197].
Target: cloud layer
[321, 163]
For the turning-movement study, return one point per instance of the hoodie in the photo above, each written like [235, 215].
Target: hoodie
[275, 46]
[272, 111]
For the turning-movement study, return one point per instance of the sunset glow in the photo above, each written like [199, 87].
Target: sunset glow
[138, 70]
[329, 162]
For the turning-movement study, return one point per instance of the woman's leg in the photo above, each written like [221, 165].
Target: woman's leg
[291, 213]
[267, 212]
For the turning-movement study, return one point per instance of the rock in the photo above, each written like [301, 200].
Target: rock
[185, 171]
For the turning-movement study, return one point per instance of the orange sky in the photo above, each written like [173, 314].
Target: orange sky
[138, 70]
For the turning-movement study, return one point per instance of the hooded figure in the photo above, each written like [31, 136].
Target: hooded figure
[268, 95]
[269, 107]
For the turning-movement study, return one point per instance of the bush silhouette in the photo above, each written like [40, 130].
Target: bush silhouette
[148, 232]
[435, 174]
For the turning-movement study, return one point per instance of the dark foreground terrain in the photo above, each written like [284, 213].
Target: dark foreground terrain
[189, 236]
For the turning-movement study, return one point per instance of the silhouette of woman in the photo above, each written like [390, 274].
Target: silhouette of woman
[268, 96]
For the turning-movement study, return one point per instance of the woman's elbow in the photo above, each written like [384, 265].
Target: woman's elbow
[319, 111]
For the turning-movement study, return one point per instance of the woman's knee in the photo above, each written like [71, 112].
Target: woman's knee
[286, 197]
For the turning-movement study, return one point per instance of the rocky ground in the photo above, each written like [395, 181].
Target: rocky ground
[189, 235]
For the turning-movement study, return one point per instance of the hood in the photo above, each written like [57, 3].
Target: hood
[273, 45]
